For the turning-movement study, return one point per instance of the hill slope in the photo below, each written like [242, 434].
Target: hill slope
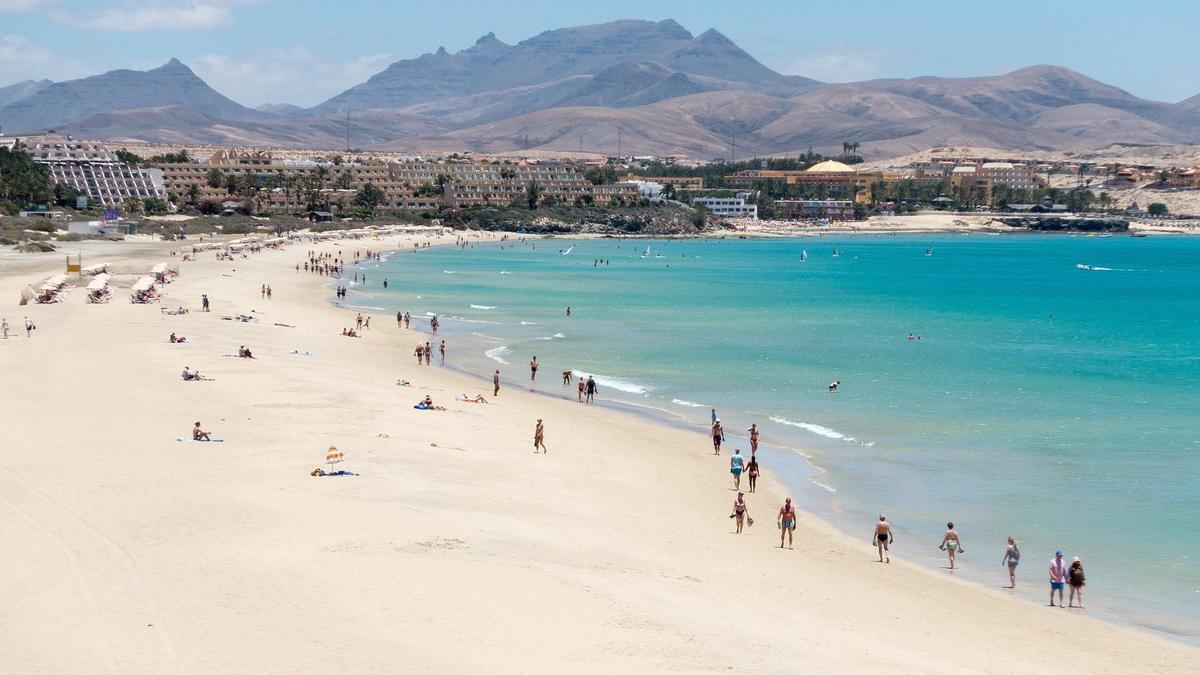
[170, 84]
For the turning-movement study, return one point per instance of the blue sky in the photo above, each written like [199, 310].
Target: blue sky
[303, 51]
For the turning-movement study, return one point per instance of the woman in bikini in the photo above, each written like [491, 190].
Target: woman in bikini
[739, 511]
[787, 521]
[752, 471]
[950, 543]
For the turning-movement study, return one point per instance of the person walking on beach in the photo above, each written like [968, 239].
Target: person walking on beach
[4, 327]
[740, 512]
[753, 440]
[407, 319]
[1012, 558]
[399, 319]
[358, 321]
[883, 538]
[420, 352]
[566, 377]
[496, 384]
[736, 465]
[29, 327]
[786, 521]
[268, 292]
[752, 472]
[442, 351]
[533, 366]
[539, 437]
[950, 543]
[579, 387]
[263, 291]
[590, 390]
[428, 353]
[718, 435]
[433, 324]
[1058, 577]
[204, 302]
[713, 416]
[1076, 580]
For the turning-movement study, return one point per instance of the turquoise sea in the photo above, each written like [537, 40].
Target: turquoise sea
[1055, 404]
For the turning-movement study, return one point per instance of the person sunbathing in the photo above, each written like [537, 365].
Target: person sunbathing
[467, 399]
[244, 353]
[427, 404]
[187, 374]
[199, 434]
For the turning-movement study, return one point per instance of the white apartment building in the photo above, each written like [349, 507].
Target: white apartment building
[728, 207]
[94, 171]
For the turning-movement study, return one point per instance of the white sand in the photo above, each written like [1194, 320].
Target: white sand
[127, 551]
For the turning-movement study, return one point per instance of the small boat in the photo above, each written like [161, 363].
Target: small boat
[1139, 235]
[1081, 266]
[803, 255]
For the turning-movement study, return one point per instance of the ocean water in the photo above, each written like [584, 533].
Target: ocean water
[1057, 405]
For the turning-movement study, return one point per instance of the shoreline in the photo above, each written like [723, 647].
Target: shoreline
[588, 565]
[805, 480]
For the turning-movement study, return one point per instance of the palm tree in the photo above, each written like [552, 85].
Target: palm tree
[322, 177]
[442, 180]
[532, 194]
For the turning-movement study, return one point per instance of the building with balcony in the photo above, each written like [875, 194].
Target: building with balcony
[94, 171]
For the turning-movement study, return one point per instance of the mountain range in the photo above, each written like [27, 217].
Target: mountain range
[645, 87]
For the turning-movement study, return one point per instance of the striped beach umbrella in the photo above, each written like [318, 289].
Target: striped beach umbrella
[333, 455]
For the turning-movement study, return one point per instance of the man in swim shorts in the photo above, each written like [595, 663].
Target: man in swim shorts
[883, 537]
[736, 464]
[496, 384]
[1058, 577]
[787, 522]
[718, 435]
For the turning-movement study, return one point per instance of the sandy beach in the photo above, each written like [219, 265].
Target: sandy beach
[456, 548]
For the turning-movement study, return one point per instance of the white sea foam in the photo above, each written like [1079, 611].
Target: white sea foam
[489, 338]
[496, 354]
[556, 336]
[687, 404]
[504, 272]
[449, 272]
[528, 323]
[815, 428]
[483, 307]
[378, 309]
[614, 383]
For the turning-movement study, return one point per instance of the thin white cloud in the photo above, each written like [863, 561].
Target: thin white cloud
[167, 15]
[21, 5]
[21, 59]
[838, 62]
[293, 75]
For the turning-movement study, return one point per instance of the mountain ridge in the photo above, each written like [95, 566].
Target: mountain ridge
[660, 88]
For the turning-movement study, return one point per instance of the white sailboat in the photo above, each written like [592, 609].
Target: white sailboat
[835, 253]
[929, 250]
[803, 255]
[646, 253]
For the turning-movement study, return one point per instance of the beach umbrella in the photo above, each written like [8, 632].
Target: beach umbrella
[333, 456]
